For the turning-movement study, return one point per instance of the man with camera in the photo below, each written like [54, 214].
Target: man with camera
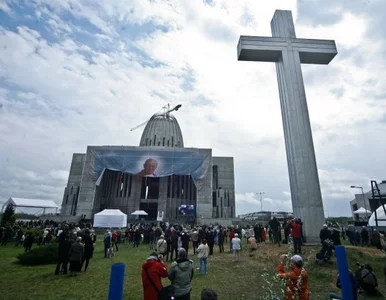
[296, 278]
[152, 271]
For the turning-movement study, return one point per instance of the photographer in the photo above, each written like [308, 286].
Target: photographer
[152, 271]
[296, 279]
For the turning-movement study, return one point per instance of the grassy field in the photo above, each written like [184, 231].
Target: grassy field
[250, 278]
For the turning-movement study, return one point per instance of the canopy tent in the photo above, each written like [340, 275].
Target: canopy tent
[139, 213]
[110, 218]
[362, 210]
[31, 206]
[380, 216]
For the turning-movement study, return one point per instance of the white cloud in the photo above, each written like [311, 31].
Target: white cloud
[112, 64]
[250, 202]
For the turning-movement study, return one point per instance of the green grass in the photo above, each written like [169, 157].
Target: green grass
[231, 280]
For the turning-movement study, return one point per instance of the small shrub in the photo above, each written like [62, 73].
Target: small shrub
[42, 255]
[33, 231]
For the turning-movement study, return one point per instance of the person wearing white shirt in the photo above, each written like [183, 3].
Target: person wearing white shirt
[236, 247]
[202, 254]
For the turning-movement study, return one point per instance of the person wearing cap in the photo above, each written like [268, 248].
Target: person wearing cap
[180, 275]
[162, 246]
[236, 247]
[324, 233]
[152, 271]
[296, 279]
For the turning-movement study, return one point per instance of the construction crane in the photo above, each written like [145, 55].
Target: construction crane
[167, 111]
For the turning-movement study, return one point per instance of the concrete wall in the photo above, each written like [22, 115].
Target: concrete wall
[71, 191]
[224, 188]
[360, 202]
[204, 195]
[90, 196]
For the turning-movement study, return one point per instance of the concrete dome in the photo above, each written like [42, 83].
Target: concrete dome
[162, 130]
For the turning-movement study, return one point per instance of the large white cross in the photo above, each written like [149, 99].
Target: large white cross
[288, 52]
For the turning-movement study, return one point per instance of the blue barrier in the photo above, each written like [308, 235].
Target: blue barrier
[344, 275]
[116, 281]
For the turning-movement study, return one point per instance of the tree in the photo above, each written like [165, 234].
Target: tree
[8, 216]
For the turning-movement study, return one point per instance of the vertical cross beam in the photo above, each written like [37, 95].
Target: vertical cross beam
[288, 52]
[307, 201]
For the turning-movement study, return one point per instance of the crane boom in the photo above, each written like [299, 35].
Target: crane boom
[174, 108]
[177, 107]
[140, 125]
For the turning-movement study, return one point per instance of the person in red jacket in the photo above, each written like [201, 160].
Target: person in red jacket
[296, 233]
[152, 271]
[115, 240]
[231, 236]
[263, 234]
[296, 279]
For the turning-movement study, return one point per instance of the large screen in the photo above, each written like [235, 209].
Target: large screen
[150, 161]
[186, 210]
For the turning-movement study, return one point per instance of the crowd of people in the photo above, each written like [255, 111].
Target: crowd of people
[175, 243]
[176, 240]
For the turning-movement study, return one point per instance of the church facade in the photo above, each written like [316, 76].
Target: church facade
[161, 177]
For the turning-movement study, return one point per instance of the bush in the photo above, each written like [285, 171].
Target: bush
[8, 217]
[34, 231]
[41, 255]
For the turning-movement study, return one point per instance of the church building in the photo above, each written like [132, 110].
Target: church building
[161, 177]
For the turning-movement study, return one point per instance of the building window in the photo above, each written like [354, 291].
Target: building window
[163, 141]
[150, 188]
[169, 185]
[215, 177]
[168, 143]
[147, 140]
[130, 181]
[122, 185]
[172, 141]
[154, 140]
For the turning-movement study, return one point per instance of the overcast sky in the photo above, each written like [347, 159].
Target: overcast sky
[76, 73]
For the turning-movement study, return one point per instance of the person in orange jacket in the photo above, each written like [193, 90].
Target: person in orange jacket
[152, 271]
[296, 279]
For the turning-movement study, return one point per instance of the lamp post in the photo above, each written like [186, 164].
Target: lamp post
[261, 199]
[363, 195]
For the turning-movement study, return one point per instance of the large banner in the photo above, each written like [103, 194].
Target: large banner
[151, 162]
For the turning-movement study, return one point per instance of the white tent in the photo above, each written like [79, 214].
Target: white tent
[139, 213]
[110, 218]
[31, 206]
[380, 215]
[362, 211]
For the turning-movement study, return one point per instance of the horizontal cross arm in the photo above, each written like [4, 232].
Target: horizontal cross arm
[315, 51]
[257, 48]
[269, 49]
